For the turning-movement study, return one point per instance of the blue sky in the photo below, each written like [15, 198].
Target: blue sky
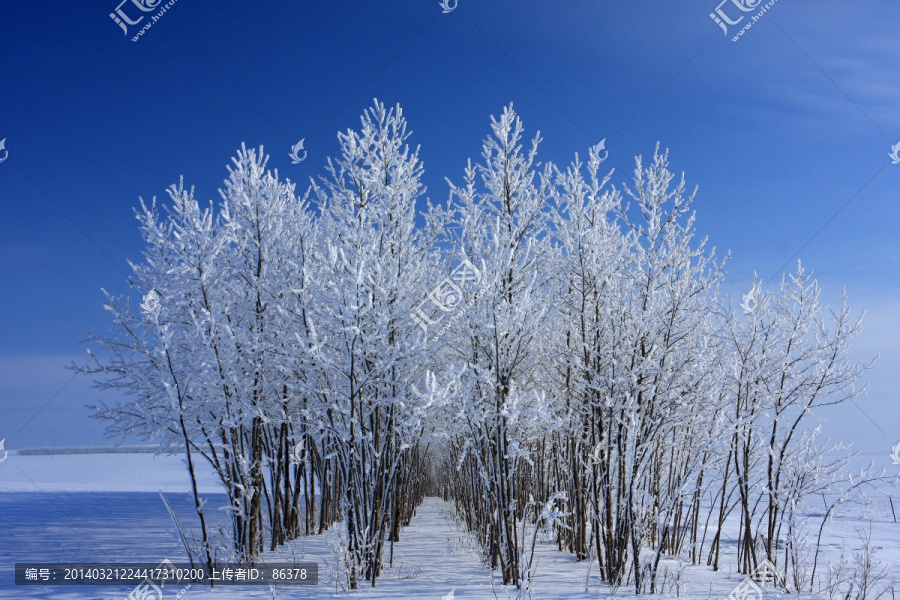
[786, 132]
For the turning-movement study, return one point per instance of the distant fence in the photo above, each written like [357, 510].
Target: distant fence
[48, 451]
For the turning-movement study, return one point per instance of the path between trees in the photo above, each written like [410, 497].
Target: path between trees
[433, 557]
[436, 556]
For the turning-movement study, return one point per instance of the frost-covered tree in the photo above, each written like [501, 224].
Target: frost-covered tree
[498, 221]
[206, 342]
[658, 371]
[263, 223]
[152, 354]
[590, 281]
[789, 362]
[363, 348]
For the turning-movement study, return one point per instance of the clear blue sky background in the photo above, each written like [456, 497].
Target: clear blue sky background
[786, 132]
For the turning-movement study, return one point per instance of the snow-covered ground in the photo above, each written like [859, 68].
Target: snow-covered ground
[105, 508]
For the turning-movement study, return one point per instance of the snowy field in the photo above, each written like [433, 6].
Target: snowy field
[106, 508]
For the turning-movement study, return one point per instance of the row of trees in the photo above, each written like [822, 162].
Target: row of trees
[585, 371]
[275, 346]
[606, 378]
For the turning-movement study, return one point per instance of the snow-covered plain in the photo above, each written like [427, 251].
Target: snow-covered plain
[105, 508]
